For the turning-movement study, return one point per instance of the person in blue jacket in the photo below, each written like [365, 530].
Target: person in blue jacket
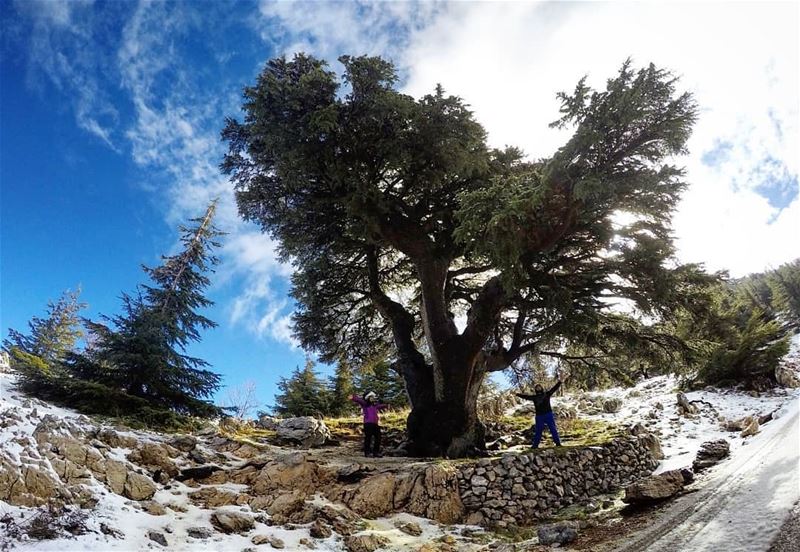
[544, 412]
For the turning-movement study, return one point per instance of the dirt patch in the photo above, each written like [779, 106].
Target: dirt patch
[788, 539]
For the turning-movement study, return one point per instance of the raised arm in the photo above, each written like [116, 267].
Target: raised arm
[381, 406]
[555, 388]
[526, 397]
[358, 400]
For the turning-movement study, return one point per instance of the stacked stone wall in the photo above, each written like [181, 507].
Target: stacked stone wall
[524, 488]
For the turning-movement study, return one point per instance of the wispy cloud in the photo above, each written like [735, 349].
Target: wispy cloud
[137, 58]
[331, 29]
[176, 132]
[62, 53]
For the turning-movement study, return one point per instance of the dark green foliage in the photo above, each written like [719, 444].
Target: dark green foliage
[144, 352]
[340, 389]
[134, 365]
[399, 218]
[777, 291]
[736, 341]
[749, 353]
[304, 393]
[38, 356]
[384, 381]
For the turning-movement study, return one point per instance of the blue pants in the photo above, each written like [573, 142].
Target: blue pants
[550, 422]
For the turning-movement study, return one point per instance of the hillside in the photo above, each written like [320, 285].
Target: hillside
[73, 483]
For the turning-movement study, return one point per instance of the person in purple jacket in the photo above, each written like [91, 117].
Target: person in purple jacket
[372, 430]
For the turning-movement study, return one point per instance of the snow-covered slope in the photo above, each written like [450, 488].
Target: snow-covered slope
[653, 403]
[117, 523]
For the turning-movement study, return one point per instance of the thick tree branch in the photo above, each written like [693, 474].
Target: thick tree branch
[400, 320]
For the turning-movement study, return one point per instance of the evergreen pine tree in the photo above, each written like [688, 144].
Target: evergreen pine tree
[144, 353]
[303, 394]
[341, 388]
[384, 381]
[37, 356]
[785, 285]
[51, 338]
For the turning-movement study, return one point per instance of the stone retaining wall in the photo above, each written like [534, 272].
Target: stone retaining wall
[523, 488]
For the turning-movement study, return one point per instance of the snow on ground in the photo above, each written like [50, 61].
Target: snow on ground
[125, 515]
[681, 436]
[651, 402]
[742, 503]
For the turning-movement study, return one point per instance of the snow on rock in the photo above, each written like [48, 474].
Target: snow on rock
[144, 491]
[712, 414]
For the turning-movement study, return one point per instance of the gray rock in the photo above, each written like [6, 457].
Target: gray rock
[365, 543]
[268, 422]
[199, 532]
[184, 443]
[305, 431]
[786, 376]
[158, 537]
[231, 522]
[655, 487]
[410, 528]
[612, 405]
[710, 453]
[560, 533]
[686, 407]
[319, 530]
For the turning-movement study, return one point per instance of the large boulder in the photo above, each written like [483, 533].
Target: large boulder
[786, 375]
[431, 492]
[710, 453]
[214, 497]
[184, 443]
[29, 485]
[268, 422]
[292, 471]
[231, 522]
[156, 458]
[751, 428]
[125, 482]
[305, 431]
[657, 487]
[365, 543]
[115, 439]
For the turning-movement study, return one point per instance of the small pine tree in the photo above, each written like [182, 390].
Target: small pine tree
[38, 356]
[385, 382]
[51, 338]
[341, 388]
[302, 394]
[785, 285]
[144, 353]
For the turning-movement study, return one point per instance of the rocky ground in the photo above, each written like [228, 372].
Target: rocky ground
[68, 482]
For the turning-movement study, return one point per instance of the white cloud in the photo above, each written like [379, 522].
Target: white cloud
[176, 132]
[741, 61]
[331, 29]
[61, 53]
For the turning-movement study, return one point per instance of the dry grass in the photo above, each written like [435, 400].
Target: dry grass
[350, 427]
[245, 432]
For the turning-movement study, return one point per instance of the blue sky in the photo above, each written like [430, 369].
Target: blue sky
[111, 113]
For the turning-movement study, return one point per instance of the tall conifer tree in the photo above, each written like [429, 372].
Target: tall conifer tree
[145, 353]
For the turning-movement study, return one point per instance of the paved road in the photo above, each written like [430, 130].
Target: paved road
[742, 506]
